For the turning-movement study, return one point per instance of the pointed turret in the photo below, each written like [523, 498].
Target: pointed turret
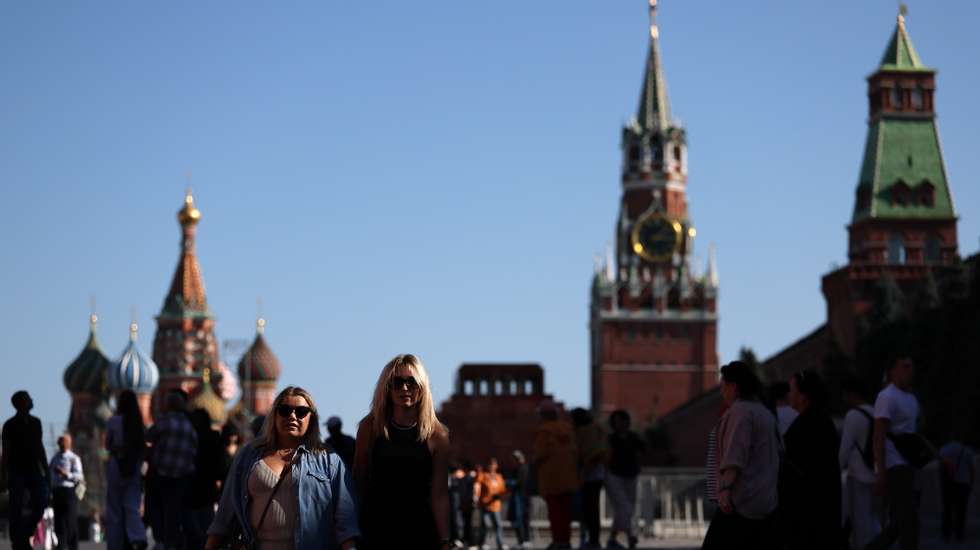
[900, 55]
[711, 275]
[653, 114]
[186, 297]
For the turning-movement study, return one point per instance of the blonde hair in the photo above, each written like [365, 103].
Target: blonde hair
[266, 440]
[381, 405]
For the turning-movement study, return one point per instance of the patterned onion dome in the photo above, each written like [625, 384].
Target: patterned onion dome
[208, 400]
[135, 370]
[86, 373]
[259, 364]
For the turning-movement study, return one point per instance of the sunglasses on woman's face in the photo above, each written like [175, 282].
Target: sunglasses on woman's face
[399, 382]
[284, 411]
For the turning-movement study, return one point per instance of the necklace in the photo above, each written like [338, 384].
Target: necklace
[400, 427]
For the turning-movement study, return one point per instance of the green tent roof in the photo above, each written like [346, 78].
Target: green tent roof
[903, 151]
[900, 55]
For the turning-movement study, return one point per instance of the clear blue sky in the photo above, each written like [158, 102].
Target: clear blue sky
[430, 176]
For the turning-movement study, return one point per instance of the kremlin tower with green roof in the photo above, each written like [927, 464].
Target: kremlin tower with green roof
[904, 220]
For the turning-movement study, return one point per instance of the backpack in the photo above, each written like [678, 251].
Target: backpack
[867, 452]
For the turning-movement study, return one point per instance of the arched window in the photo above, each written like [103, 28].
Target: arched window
[513, 387]
[498, 388]
[484, 387]
[468, 387]
[528, 387]
[896, 98]
[677, 153]
[896, 249]
[917, 98]
[933, 254]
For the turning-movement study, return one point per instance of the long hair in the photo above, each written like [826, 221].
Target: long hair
[266, 440]
[134, 431]
[381, 405]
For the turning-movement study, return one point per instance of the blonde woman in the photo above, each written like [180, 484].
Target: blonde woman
[400, 463]
[284, 490]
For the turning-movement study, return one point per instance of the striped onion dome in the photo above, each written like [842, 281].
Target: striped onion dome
[135, 370]
[86, 373]
[259, 364]
[208, 400]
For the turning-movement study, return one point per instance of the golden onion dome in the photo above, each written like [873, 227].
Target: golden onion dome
[189, 214]
[208, 400]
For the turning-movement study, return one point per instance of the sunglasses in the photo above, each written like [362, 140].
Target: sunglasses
[284, 411]
[398, 382]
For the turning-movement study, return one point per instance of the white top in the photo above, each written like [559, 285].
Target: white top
[901, 408]
[785, 415]
[852, 442]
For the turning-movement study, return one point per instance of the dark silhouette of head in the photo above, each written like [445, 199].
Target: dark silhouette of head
[740, 377]
[22, 402]
[620, 421]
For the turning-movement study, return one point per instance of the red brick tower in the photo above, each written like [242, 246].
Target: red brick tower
[904, 221]
[654, 321]
[185, 344]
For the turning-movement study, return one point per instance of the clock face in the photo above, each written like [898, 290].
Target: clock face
[656, 237]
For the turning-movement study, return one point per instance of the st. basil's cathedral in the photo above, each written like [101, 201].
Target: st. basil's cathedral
[185, 357]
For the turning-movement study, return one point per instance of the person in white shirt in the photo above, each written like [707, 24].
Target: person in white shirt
[896, 412]
[856, 456]
[785, 414]
[66, 473]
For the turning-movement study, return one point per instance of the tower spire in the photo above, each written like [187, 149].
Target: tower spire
[186, 295]
[654, 111]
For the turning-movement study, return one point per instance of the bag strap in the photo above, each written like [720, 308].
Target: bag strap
[282, 477]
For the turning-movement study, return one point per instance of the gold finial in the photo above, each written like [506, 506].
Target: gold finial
[654, 31]
[206, 375]
[903, 10]
[133, 329]
[189, 214]
[260, 325]
[93, 319]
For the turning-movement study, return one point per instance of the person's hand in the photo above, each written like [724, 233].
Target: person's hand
[725, 501]
[880, 484]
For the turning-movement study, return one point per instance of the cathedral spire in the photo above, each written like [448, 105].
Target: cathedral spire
[186, 296]
[654, 111]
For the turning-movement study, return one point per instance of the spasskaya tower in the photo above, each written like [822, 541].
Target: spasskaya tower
[653, 315]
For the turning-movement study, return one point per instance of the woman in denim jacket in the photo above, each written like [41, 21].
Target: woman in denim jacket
[284, 490]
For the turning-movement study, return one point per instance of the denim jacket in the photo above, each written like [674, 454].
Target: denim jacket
[326, 508]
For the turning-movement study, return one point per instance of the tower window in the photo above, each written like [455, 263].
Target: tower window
[896, 249]
[896, 98]
[634, 153]
[932, 248]
[917, 98]
[677, 153]
[926, 194]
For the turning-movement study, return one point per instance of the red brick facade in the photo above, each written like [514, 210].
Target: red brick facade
[493, 411]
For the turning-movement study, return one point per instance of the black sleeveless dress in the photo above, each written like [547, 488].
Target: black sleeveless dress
[397, 508]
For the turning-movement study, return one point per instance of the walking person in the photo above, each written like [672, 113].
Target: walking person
[204, 489]
[625, 447]
[593, 452]
[957, 474]
[66, 475]
[519, 499]
[555, 460]
[285, 491]
[856, 454]
[748, 466]
[896, 412]
[339, 442]
[490, 491]
[174, 450]
[400, 463]
[810, 489]
[24, 470]
[785, 413]
[125, 440]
